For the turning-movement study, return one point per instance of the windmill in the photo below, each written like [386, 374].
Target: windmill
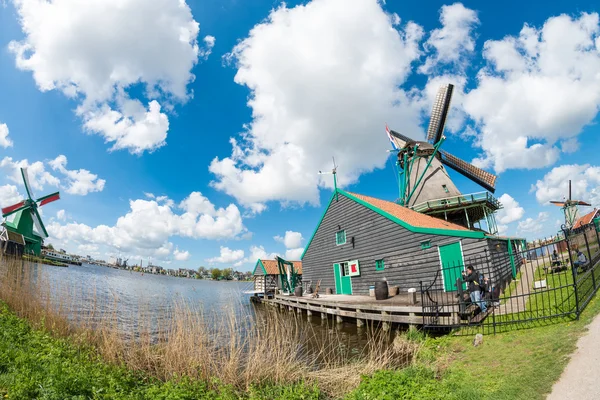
[424, 183]
[26, 217]
[570, 208]
[334, 173]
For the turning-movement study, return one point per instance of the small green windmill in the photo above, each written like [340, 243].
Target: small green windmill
[26, 219]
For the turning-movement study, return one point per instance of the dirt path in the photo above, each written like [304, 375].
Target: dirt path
[520, 296]
[580, 379]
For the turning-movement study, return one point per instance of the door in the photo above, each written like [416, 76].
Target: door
[452, 264]
[343, 282]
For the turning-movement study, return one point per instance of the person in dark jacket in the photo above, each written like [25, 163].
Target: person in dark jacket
[472, 278]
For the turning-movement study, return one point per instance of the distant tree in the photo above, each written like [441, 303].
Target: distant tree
[50, 246]
[227, 273]
[202, 270]
[216, 273]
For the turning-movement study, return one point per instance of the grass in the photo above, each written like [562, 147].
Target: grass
[520, 364]
[279, 351]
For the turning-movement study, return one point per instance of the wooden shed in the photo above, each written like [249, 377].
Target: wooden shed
[360, 240]
[266, 275]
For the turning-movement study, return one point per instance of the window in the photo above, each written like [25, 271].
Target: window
[425, 244]
[345, 269]
[340, 237]
[379, 265]
[445, 188]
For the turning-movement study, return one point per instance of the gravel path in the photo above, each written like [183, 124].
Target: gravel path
[580, 379]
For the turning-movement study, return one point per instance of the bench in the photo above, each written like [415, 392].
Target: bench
[557, 266]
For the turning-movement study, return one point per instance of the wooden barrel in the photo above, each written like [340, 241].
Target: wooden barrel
[298, 291]
[381, 290]
[328, 291]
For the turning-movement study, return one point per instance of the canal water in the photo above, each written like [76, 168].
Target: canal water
[89, 292]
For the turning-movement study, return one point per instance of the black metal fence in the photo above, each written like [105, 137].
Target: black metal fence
[522, 286]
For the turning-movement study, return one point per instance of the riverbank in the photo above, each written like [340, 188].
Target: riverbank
[34, 364]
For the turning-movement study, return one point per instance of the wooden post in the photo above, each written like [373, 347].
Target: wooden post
[338, 318]
[359, 322]
[323, 313]
[386, 325]
[308, 313]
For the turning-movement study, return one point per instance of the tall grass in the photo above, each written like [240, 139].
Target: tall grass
[241, 350]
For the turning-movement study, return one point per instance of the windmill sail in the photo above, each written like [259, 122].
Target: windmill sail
[477, 175]
[25, 176]
[398, 139]
[439, 113]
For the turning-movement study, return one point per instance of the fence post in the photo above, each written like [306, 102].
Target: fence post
[587, 246]
[573, 270]
[422, 303]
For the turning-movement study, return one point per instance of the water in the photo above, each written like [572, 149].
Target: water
[89, 292]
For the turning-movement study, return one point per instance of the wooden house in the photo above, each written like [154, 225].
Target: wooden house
[266, 275]
[360, 240]
[587, 219]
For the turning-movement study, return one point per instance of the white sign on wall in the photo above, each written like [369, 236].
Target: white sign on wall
[354, 268]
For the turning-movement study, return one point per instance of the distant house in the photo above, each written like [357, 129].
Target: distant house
[360, 240]
[587, 218]
[266, 275]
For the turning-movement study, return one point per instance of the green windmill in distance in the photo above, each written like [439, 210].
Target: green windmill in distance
[27, 217]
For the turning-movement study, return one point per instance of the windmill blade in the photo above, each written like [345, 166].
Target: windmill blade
[48, 199]
[25, 176]
[558, 203]
[12, 209]
[580, 203]
[476, 174]
[439, 113]
[38, 223]
[399, 139]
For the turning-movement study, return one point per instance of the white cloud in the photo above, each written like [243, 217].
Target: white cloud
[4, 139]
[511, 210]
[227, 256]
[196, 204]
[209, 42]
[145, 230]
[61, 215]
[259, 253]
[38, 176]
[294, 254]
[324, 78]
[291, 239]
[585, 184]
[79, 182]
[454, 42]
[537, 93]
[181, 255]
[9, 195]
[136, 128]
[98, 49]
[533, 225]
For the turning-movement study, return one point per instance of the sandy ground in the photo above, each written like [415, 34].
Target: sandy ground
[580, 380]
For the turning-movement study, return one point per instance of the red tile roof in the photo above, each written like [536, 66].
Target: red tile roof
[586, 219]
[409, 216]
[272, 268]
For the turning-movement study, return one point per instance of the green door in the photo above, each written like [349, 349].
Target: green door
[451, 258]
[343, 282]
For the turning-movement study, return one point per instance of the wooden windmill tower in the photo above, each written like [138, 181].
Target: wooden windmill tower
[25, 218]
[424, 183]
[570, 208]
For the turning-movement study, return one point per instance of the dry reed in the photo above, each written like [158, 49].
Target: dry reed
[240, 350]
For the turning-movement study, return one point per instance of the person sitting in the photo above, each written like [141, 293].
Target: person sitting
[555, 260]
[472, 277]
[581, 261]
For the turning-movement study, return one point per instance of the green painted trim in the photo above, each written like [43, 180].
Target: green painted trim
[381, 266]
[415, 229]
[336, 238]
[425, 244]
[333, 195]
[261, 265]
[512, 258]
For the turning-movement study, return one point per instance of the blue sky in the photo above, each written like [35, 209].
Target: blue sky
[293, 85]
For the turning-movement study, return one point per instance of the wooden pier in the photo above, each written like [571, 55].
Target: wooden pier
[395, 310]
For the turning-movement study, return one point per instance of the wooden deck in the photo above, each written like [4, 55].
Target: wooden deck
[395, 310]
